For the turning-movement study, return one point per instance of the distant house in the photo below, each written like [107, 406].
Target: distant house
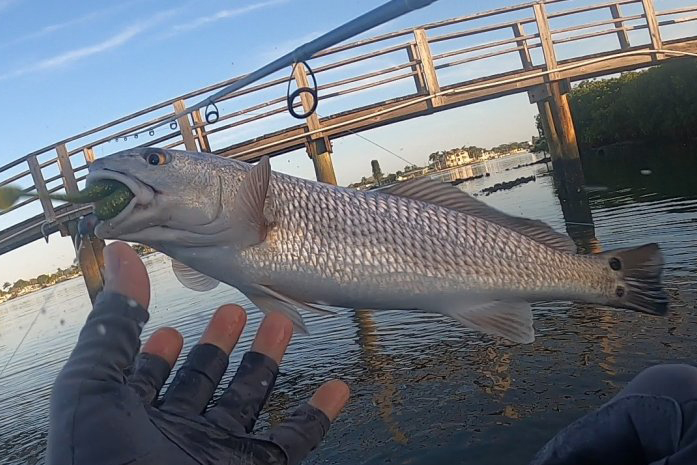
[363, 184]
[457, 157]
[411, 172]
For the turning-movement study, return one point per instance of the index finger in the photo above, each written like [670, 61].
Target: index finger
[110, 339]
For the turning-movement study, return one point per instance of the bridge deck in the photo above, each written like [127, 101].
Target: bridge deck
[424, 54]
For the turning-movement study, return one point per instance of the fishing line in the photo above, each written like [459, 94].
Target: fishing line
[377, 145]
[41, 310]
[78, 245]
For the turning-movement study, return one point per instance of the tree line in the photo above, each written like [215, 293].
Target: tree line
[658, 104]
[20, 287]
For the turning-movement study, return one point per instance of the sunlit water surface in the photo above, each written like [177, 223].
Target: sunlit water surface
[424, 389]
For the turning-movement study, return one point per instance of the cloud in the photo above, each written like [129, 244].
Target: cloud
[71, 56]
[52, 28]
[220, 15]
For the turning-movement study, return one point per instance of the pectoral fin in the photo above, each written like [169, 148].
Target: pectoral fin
[511, 320]
[249, 205]
[192, 279]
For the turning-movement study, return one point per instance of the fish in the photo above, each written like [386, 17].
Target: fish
[293, 245]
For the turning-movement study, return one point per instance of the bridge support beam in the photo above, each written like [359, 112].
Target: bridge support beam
[560, 134]
[320, 150]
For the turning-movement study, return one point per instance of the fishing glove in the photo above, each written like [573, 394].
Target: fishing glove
[106, 408]
[653, 421]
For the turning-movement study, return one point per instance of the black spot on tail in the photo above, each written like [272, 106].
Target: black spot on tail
[639, 271]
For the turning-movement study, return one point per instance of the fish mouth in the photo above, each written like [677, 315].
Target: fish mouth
[117, 195]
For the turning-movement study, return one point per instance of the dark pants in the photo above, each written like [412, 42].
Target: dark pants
[652, 421]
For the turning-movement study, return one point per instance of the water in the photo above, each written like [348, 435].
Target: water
[425, 390]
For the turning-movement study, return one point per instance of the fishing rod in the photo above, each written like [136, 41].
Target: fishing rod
[380, 15]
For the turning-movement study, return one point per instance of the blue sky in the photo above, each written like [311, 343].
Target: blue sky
[69, 66]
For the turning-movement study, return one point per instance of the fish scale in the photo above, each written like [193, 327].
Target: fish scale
[441, 244]
[289, 243]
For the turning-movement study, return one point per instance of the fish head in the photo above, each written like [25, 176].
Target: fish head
[175, 194]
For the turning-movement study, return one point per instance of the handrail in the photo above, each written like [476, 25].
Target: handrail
[411, 58]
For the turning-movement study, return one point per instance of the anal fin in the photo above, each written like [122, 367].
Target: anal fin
[269, 304]
[509, 319]
[289, 300]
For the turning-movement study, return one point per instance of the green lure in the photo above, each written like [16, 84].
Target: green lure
[110, 197]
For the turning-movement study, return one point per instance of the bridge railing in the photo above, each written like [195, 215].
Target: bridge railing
[354, 79]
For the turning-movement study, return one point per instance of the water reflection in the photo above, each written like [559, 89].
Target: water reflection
[380, 368]
[426, 390]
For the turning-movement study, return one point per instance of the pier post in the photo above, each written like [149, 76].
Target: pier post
[90, 257]
[318, 147]
[320, 150]
[558, 126]
[89, 254]
[185, 127]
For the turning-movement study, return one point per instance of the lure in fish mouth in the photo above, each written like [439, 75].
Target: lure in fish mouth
[147, 195]
[110, 197]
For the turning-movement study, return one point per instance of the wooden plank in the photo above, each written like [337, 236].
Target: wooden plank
[518, 32]
[545, 38]
[427, 68]
[413, 55]
[40, 186]
[185, 127]
[66, 169]
[88, 153]
[585, 9]
[300, 75]
[200, 130]
[652, 22]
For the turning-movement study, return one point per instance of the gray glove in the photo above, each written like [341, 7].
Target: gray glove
[105, 407]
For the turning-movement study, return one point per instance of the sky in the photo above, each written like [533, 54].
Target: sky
[69, 66]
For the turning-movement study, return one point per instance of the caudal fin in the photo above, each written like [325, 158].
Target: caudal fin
[639, 271]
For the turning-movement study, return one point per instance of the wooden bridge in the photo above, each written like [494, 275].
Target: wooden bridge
[533, 47]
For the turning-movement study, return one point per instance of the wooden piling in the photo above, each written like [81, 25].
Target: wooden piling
[185, 127]
[320, 151]
[427, 67]
[318, 147]
[89, 255]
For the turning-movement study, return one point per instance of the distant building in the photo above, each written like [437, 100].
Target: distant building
[457, 157]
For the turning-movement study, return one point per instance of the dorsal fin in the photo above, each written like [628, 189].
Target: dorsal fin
[448, 196]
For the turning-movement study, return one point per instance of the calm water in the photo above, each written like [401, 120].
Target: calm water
[425, 390]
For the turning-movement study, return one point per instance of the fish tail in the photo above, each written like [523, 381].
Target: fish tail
[639, 285]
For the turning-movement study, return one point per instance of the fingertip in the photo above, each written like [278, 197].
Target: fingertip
[273, 336]
[125, 273]
[166, 343]
[331, 398]
[225, 327]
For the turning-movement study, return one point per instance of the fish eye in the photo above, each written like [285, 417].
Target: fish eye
[156, 158]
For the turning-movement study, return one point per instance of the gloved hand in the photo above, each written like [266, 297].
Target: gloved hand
[105, 403]
[652, 421]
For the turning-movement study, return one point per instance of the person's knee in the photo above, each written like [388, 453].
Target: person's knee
[678, 381]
